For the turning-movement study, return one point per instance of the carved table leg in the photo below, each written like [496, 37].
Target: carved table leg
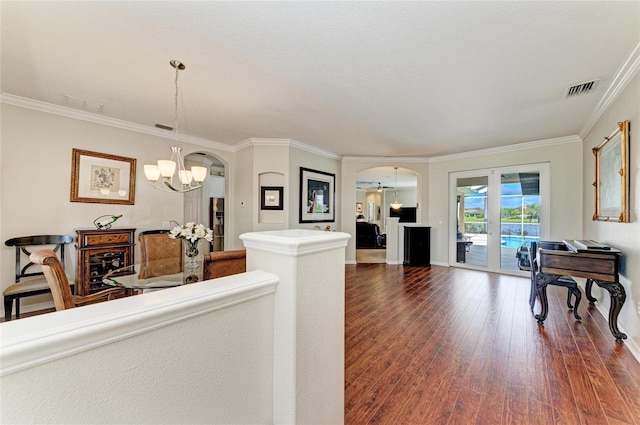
[542, 280]
[618, 297]
[587, 290]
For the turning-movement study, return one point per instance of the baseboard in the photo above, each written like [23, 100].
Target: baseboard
[631, 344]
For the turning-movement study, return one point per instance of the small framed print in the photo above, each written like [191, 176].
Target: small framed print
[317, 196]
[271, 197]
[102, 178]
[359, 207]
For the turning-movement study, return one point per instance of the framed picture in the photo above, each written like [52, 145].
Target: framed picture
[271, 197]
[102, 178]
[359, 207]
[612, 176]
[317, 196]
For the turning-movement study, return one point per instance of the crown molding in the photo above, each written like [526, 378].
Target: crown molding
[489, 151]
[625, 74]
[256, 141]
[387, 159]
[76, 114]
[126, 125]
[510, 148]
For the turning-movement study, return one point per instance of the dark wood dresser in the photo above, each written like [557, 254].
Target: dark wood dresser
[100, 251]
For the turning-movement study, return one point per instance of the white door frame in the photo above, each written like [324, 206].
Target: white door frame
[493, 211]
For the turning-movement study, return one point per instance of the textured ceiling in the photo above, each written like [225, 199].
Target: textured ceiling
[351, 78]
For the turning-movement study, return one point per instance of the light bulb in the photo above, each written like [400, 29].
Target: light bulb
[167, 167]
[152, 172]
[185, 176]
[199, 173]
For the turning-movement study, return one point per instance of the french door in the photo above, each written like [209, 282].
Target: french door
[495, 214]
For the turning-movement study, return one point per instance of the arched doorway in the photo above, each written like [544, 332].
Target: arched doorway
[376, 189]
[206, 205]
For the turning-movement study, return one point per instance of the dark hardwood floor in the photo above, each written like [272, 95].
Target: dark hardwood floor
[454, 346]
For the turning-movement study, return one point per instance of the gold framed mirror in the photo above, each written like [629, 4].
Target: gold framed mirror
[612, 176]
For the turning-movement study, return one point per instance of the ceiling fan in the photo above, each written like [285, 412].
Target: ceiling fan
[371, 185]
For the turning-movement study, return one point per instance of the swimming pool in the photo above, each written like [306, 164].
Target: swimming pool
[516, 241]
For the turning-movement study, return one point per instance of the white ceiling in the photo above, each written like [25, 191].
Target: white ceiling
[351, 78]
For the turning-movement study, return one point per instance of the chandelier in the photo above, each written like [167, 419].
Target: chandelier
[396, 203]
[161, 176]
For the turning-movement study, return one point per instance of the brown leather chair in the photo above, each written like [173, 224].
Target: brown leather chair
[160, 254]
[57, 279]
[224, 263]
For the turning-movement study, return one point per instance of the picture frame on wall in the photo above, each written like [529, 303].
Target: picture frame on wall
[317, 196]
[359, 207]
[271, 197]
[612, 176]
[102, 178]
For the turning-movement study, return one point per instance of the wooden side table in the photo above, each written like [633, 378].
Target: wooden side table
[99, 252]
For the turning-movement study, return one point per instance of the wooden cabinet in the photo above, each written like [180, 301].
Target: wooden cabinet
[100, 251]
[417, 246]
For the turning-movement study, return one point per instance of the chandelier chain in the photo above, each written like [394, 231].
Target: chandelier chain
[175, 103]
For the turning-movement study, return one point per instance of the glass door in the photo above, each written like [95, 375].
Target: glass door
[471, 211]
[519, 218]
[496, 214]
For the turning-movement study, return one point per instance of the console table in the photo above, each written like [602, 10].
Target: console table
[586, 259]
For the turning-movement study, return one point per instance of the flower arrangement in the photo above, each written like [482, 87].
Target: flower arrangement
[191, 232]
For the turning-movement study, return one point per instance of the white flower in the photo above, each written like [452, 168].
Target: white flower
[191, 232]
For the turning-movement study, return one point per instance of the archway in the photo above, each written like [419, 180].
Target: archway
[376, 188]
[206, 205]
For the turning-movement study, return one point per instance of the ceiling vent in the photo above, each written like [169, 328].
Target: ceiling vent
[87, 105]
[164, 127]
[582, 88]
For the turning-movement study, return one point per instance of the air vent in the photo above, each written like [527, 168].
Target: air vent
[87, 105]
[582, 88]
[164, 127]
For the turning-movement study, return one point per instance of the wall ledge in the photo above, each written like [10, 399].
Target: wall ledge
[40, 339]
[295, 242]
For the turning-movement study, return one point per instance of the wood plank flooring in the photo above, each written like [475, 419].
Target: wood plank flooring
[454, 346]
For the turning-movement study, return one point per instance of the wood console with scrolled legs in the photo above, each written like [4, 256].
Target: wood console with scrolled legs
[582, 259]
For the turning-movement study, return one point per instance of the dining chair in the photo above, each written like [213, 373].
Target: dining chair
[53, 271]
[29, 281]
[566, 281]
[159, 254]
[224, 263]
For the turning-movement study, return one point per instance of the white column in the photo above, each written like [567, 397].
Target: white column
[309, 321]
[395, 250]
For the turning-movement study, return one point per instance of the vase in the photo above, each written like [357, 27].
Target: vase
[191, 254]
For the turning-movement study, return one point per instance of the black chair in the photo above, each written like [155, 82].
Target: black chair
[566, 281]
[29, 282]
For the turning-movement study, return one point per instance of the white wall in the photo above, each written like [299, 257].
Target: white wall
[240, 204]
[302, 158]
[624, 236]
[193, 354]
[271, 168]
